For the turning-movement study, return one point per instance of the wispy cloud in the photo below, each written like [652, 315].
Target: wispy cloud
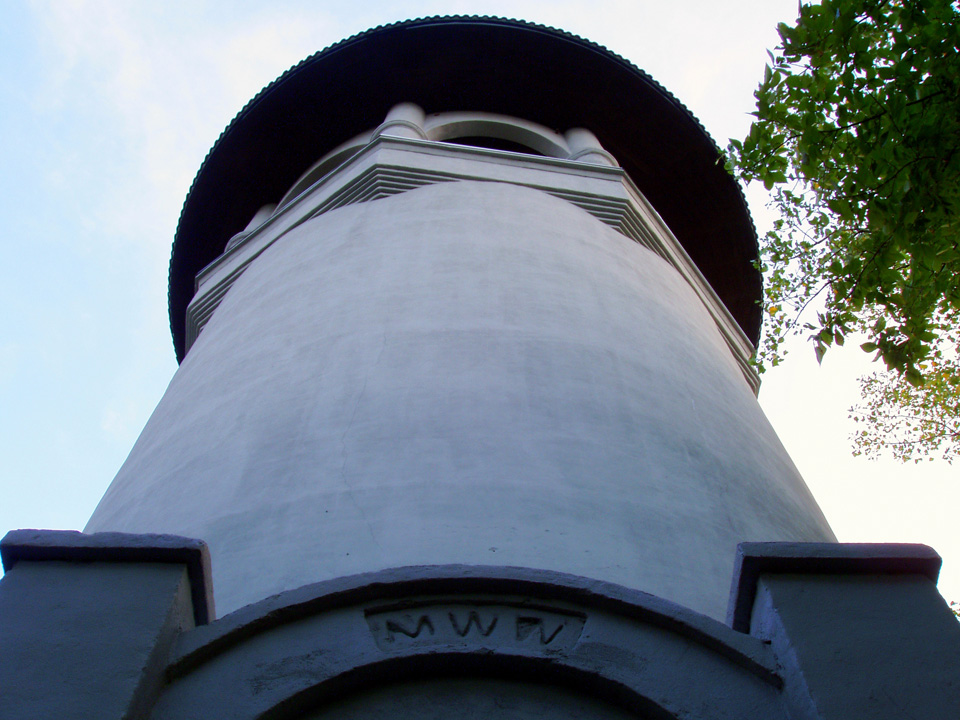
[160, 93]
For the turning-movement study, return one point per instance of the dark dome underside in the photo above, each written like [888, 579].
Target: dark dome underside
[472, 64]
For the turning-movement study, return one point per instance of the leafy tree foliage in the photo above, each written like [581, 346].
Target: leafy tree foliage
[912, 421]
[858, 136]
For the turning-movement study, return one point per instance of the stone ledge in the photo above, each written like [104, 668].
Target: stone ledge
[759, 558]
[395, 587]
[354, 637]
[74, 546]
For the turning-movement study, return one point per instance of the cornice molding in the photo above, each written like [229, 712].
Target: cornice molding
[392, 165]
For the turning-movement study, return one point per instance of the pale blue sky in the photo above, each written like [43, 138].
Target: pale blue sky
[106, 112]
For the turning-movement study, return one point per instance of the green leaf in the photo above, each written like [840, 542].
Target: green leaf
[819, 350]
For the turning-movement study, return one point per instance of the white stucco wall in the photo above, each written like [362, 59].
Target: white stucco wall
[464, 373]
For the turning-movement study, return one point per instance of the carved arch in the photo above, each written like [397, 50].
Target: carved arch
[299, 651]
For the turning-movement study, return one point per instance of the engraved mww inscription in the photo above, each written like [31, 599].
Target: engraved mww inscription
[484, 624]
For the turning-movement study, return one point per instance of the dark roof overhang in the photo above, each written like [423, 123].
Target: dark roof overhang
[472, 64]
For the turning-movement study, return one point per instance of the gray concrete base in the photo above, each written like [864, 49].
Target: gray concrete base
[87, 621]
[107, 627]
[859, 631]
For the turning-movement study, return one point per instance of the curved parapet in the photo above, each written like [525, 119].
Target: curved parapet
[461, 641]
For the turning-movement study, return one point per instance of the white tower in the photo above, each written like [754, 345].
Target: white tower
[464, 308]
[464, 291]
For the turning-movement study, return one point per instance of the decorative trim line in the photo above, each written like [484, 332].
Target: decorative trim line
[366, 177]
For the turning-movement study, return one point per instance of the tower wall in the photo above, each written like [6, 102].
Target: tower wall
[469, 373]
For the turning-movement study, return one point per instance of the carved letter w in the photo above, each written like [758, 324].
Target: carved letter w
[472, 619]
